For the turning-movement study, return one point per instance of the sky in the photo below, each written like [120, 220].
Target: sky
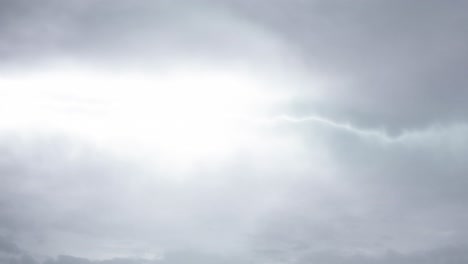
[233, 131]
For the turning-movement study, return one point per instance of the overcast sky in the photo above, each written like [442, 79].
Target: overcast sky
[233, 131]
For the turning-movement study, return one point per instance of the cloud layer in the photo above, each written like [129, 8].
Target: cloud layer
[350, 144]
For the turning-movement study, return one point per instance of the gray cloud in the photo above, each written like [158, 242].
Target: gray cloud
[397, 193]
[402, 62]
[140, 34]
[367, 164]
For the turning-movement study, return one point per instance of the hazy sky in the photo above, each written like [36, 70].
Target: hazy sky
[233, 131]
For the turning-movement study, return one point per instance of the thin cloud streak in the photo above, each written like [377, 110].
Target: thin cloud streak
[379, 134]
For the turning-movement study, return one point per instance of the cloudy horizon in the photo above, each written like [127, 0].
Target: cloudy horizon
[233, 131]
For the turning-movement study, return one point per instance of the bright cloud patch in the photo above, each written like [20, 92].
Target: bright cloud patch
[185, 114]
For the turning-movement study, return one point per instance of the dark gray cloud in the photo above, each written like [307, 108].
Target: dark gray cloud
[395, 193]
[402, 63]
[365, 162]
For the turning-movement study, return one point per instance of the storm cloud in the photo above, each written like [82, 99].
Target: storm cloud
[233, 132]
